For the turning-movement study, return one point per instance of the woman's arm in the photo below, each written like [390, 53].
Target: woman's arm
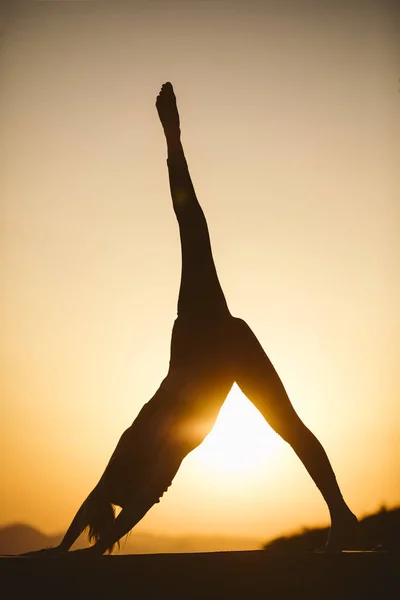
[76, 528]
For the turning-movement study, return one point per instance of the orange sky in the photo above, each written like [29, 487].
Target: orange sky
[290, 117]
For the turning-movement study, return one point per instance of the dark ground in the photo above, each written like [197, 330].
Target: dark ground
[219, 575]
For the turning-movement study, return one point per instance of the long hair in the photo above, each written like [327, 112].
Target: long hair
[98, 517]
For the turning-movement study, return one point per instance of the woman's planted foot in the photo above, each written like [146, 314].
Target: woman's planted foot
[168, 111]
[342, 534]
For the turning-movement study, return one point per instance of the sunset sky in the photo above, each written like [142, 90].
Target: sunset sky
[290, 121]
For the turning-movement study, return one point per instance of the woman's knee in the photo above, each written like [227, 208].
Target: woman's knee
[288, 426]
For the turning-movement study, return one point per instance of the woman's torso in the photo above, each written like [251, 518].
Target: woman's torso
[185, 407]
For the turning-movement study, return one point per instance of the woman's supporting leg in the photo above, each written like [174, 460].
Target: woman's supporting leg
[200, 290]
[257, 378]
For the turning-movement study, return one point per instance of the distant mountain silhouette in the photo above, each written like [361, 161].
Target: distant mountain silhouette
[379, 531]
[18, 538]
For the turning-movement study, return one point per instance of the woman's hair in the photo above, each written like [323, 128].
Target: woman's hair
[99, 514]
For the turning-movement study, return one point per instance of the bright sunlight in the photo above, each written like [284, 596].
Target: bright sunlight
[241, 440]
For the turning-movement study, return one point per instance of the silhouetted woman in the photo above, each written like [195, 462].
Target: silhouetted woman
[210, 350]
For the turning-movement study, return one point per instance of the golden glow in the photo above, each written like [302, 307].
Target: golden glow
[290, 126]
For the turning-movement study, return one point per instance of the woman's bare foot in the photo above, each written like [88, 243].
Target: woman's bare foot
[342, 534]
[168, 111]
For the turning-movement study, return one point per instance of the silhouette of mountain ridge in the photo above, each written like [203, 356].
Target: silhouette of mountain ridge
[17, 538]
[378, 531]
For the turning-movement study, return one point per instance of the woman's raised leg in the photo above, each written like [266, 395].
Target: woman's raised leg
[259, 381]
[200, 290]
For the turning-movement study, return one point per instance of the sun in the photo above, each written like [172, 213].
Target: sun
[240, 441]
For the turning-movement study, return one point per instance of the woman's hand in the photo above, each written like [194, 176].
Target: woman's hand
[86, 552]
[52, 552]
[58, 552]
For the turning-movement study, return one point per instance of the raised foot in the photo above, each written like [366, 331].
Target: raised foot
[168, 110]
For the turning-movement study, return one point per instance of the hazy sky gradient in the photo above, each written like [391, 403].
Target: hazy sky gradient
[290, 118]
